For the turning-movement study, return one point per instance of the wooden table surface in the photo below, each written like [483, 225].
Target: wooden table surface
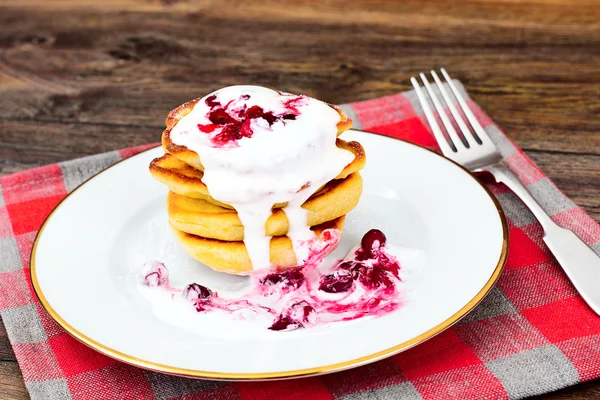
[82, 77]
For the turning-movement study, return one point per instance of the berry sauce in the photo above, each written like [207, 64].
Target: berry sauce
[365, 283]
[233, 121]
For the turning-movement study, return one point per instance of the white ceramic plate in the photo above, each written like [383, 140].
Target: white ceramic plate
[88, 253]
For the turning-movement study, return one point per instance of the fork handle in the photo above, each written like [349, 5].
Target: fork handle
[580, 262]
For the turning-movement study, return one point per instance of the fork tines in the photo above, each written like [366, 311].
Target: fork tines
[453, 142]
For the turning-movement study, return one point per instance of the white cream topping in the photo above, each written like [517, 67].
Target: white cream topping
[286, 161]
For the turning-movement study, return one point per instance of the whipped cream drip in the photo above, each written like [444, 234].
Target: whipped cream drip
[365, 283]
[260, 147]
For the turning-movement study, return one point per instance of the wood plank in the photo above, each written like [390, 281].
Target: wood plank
[511, 10]
[577, 175]
[583, 391]
[125, 69]
[11, 382]
[32, 143]
[6, 353]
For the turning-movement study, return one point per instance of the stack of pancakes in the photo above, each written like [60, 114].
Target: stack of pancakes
[211, 232]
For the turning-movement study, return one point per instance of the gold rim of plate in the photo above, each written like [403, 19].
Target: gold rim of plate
[283, 374]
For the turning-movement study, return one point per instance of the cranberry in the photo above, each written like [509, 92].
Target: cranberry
[207, 128]
[391, 266]
[301, 311]
[352, 266]
[363, 255]
[374, 277]
[257, 112]
[347, 265]
[294, 316]
[254, 112]
[154, 274]
[221, 117]
[339, 282]
[289, 280]
[284, 323]
[229, 133]
[372, 241]
[245, 129]
[236, 123]
[210, 101]
[194, 292]
[269, 117]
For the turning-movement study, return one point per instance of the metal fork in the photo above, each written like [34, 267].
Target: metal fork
[477, 152]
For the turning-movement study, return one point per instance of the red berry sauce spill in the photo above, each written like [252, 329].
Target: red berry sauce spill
[229, 124]
[366, 283]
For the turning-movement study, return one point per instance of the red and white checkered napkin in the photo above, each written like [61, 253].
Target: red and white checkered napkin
[532, 334]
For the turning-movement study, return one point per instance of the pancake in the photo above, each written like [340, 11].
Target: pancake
[190, 157]
[232, 257]
[201, 218]
[186, 180]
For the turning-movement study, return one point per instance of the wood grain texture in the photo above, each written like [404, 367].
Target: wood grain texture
[6, 353]
[82, 77]
[11, 382]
